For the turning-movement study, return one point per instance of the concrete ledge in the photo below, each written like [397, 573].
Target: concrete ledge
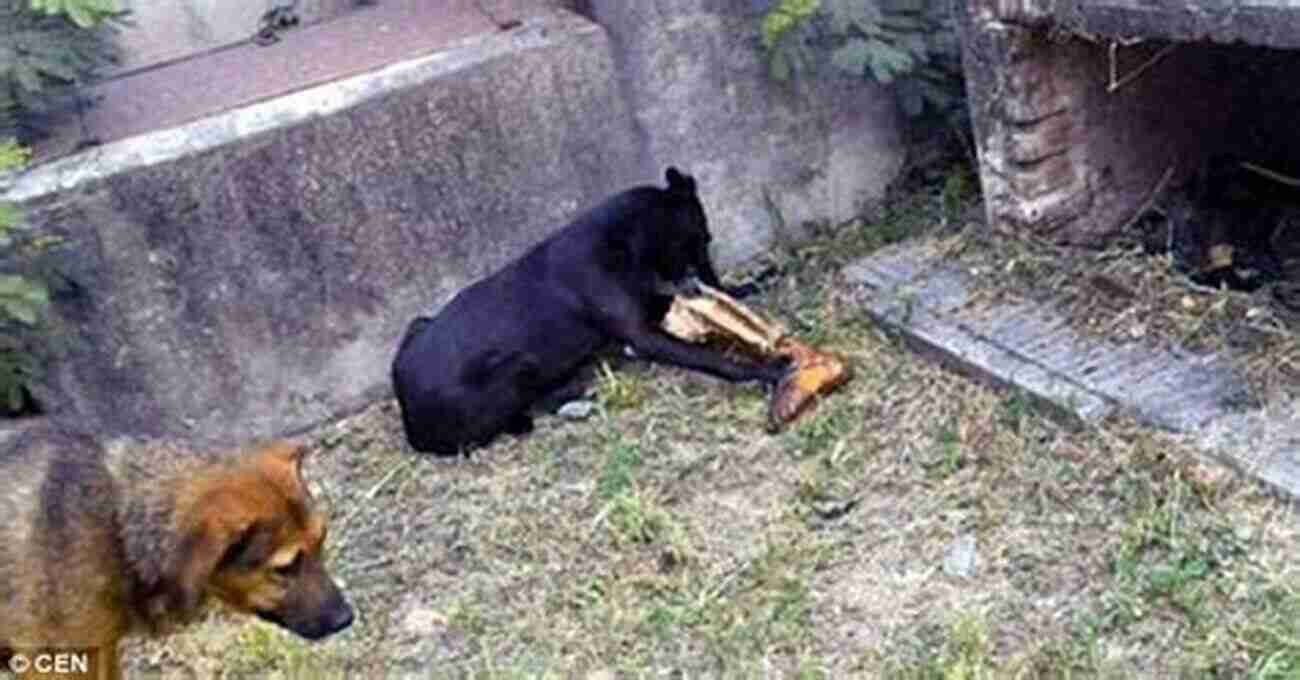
[278, 114]
[1264, 443]
[905, 295]
[164, 30]
[912, 290]
[1266, 23]
[250, 273]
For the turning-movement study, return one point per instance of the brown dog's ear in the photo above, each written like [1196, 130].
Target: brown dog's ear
[286, 451]
[288, 456]
[203, 549]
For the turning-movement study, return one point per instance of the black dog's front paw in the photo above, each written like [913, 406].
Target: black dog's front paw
[743, 291]
[778, 370]
[756, 284]
[519, 424]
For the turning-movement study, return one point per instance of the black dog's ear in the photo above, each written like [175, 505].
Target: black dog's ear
[679, 183]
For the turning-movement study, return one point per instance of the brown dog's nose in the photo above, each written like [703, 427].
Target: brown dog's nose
[333, 618]
[342, 617]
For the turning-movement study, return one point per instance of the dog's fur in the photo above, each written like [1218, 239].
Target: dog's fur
[473, 370]
[101, 542]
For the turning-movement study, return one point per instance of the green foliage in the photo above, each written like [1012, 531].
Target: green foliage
[910, 44]
[778, 23]
[787, 14]
[23, 302]
[84, 13]
[11, 156]
[48, 49]
[21, 299]
[782, 33]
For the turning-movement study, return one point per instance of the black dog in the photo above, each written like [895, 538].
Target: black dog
[503, 343]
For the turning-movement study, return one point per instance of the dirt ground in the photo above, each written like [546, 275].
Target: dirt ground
[916, 525]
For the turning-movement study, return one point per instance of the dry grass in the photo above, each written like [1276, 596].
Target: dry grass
[1125, 295]
[667, 535]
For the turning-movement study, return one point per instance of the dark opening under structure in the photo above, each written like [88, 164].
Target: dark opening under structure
[1092, 118]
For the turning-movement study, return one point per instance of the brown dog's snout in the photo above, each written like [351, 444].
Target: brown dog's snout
[315, 609]
[339, 616]
[334, 615]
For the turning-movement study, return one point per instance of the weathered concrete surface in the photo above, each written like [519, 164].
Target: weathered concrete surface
[165, 30]
[770, 155]
[1266, 23]
[362, 40]
[1264, 443]
[912, 290]
[249, 273]
[906, 290]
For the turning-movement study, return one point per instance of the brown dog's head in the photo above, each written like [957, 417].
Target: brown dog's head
[254, 541]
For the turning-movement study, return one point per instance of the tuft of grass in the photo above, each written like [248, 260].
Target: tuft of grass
[260, 646]
[618, 473]
[638, 517]
[818, 432]
[960, 651]
[1017, 408]
[1270, 638]
[948, 456]
[621, 390]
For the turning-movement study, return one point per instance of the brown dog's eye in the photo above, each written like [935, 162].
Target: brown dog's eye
[291, 568]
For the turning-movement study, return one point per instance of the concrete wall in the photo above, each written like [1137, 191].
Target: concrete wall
[250, 273]
[771, 155]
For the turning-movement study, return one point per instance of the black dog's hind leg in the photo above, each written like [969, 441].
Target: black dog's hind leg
[519, 424]
[569, 388]
[525, 378]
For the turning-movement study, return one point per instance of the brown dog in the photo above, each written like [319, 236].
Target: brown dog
[102, 542]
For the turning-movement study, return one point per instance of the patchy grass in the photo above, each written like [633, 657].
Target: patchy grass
[1125, 295]
[668, 534]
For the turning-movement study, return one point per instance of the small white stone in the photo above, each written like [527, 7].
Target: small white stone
[961, 558]
[576, 410]
[423, 621]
